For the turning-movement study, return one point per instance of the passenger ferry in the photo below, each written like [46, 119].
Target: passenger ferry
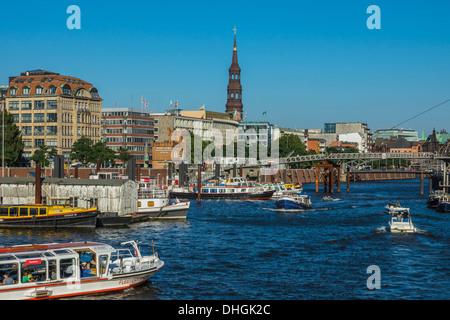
[223, 192]
[56, 270]
[54, 216]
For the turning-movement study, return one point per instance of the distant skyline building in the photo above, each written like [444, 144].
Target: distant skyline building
[409, 135]
[234, 104]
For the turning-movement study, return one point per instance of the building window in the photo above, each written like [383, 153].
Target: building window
[26, 117]
[39, 117]
[52, 117]
[26, 91]
[52, 131]
[38, 90]
[52, 90]
[26, 105]
[66, 90]
[12, 91]
[39, 130]
[52, 104]
[14, 105]
[39, 142]
[39, 105]
[52, 143]
[27, 143]
[27, 131]
[16, 118]
[330, 128]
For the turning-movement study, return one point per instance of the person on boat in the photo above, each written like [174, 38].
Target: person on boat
[27, 278]
[405, 215]
[7, 280]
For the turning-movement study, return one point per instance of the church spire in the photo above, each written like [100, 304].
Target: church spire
[234, 104]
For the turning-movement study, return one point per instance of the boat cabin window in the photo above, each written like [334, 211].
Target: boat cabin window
[103, 260]
[13, 211]
[42, 211]
[8, 273]
[150, 204]
[34, 211]
[23, 212]
[139, 204]
[3, 211]
[67, 268]
[33, 270]
[52, 269]
[87, 263]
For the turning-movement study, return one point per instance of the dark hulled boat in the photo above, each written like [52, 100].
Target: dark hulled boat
[43, 216]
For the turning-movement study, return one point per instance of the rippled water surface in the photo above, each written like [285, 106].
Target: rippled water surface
[248, 250]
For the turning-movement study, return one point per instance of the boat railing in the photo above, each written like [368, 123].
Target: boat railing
[153, 193]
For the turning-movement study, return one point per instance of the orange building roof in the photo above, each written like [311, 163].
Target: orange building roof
[46, 80]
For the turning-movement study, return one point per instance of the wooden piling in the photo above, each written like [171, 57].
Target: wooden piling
[317, 179]
[421, 182]
[348, 181]
[199, 184]
[38, 184]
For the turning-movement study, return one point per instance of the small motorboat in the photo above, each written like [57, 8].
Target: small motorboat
[294, 201]
[401, 222]
[395, 207]
[443, 205]
[328, 198]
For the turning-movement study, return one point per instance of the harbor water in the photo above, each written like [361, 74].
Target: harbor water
[245, 250]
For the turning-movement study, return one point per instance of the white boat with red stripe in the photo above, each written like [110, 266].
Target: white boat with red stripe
[56, 270]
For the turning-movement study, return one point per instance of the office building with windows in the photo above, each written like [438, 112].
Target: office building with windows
[129, 128]
[53, 110]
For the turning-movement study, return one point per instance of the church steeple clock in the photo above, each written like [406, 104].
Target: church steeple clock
[234, 104]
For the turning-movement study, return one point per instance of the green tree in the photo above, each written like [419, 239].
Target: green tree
[43, 154]
[290, 144]
[124, 155]
[82, 150]
[101, 152]
[13, 140]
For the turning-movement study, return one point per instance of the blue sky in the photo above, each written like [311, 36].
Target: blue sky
[304, 62]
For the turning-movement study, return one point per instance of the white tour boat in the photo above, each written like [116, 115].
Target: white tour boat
[395, 208]
[154, 203]
[56, 270]
[401, 222]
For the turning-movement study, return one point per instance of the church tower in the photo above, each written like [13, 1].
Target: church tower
[234, 90]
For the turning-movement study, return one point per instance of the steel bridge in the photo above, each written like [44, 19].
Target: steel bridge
[352, 160]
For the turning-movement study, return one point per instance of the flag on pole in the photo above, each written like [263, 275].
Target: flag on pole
[202, 107]
[176, 104]
[143, 101]
[265, 113]
[142, 98]
[146, 104]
